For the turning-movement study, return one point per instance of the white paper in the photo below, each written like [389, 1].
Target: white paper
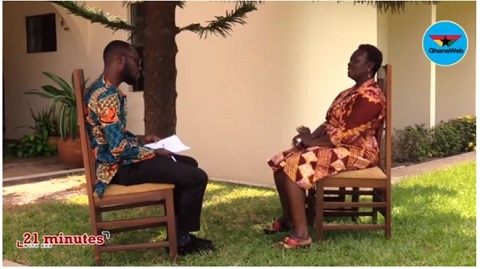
[171, 143]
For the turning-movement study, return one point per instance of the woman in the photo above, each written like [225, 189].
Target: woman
[345, 141]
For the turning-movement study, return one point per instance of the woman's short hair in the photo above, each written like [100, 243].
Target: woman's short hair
[373, 55]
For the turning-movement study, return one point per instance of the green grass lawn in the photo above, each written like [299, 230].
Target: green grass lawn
[433, 224]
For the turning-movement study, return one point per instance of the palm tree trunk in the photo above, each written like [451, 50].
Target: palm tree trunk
[160, 71]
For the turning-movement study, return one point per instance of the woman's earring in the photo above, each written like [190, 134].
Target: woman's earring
[369, 74]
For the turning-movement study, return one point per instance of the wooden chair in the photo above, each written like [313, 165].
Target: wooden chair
[117, 197]
[330, 195]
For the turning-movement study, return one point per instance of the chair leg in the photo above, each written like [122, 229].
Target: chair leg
[319, 211]
[355, 199]
[310, 207]
[98, 255]
[96, 231]
[171, 228]
[388, 215]
[376, 198]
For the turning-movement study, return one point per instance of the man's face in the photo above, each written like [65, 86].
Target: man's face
[132, 68]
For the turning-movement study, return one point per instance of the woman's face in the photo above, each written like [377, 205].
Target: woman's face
[359, 66]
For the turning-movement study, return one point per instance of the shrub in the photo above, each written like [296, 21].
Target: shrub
[446, 141]
[417, 143]
[467, 126]
[33, 145]
[411, 144]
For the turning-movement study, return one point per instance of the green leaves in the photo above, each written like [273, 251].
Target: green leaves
[63, 96]
[32, 145]
[95, 15]
[392, 6]
[222, 25]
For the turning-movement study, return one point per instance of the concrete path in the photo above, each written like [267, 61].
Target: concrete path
[398, 173]
[9, 263]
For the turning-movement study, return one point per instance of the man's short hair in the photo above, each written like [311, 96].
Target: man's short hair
[114, 48]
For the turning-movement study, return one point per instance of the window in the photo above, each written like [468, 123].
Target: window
[138, 20]
[41, 33]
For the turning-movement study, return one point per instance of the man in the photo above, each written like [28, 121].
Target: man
[121, 157]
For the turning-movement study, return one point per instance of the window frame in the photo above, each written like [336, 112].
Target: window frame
[46, 31]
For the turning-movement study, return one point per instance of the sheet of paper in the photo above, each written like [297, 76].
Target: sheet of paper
[171, 143]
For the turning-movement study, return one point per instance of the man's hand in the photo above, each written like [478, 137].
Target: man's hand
[163, 152]
[303, 130]
[150, 139]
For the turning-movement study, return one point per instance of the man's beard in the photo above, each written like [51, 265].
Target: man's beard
[127, 76]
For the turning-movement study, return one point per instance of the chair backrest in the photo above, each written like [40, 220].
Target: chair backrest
[88, 158]
[384, 79]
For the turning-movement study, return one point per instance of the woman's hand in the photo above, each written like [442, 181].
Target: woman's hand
[310, 141]
[297, 141]
[303, 130]
[306, 139]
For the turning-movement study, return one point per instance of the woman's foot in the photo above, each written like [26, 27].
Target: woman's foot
[291, 243]
[277, 226]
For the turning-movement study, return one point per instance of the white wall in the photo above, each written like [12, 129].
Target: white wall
[411, 68]
[240, 98]
[22, 71]
[415, 98]
[79, 47]
[455, 95]
[383, 35]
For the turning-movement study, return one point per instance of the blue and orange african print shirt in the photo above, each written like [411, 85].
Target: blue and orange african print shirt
[106, 123]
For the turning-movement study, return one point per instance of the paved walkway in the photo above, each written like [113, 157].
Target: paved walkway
[23, 193]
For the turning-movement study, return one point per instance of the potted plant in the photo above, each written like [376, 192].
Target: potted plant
[47, 119]
[32, 145]
[63, 96]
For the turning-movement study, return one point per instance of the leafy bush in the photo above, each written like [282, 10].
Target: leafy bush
[411, 144]
[33, 145]
[417, 143]
[446, 141]
[467, 126]
[46, 118]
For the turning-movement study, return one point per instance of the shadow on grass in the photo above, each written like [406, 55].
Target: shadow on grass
[233, 217]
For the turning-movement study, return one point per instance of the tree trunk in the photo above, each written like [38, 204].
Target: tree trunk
[160, 71]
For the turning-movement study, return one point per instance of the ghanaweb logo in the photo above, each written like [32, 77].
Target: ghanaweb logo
[445, 43]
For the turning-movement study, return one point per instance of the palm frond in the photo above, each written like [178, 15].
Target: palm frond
[129, 3]
[222, 25]
[392, 6]
[95, 15]
[181, 4]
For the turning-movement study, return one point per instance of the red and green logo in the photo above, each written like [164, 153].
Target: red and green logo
[445, 40]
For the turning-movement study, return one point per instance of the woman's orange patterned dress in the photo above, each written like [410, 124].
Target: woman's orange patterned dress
[351, 123]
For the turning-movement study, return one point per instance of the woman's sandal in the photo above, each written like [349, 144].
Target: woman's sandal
[277, 226]
[291, 243]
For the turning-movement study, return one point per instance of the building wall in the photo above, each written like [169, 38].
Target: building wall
[455, 93]
[383, 35]
[22, 71]
[423, 92]
[79, 47]
[239, 98]
[411, 68]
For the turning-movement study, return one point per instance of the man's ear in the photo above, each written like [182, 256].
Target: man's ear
[119, 59]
